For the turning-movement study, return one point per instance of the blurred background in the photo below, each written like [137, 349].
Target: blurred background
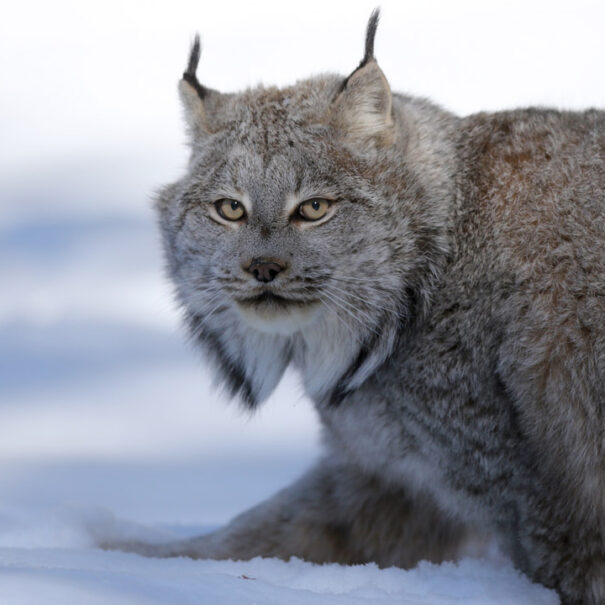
[102, 402]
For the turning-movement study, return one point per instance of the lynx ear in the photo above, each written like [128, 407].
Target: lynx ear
[193, 94]
[362, 110]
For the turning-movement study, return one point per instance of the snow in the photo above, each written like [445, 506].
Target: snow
[86, 576]
[108, 419]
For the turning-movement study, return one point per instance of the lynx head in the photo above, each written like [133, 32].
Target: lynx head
[295, 235]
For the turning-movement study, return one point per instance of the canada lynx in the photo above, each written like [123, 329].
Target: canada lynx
[439, 284]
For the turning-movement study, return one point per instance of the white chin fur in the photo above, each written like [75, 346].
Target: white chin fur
[276, 320]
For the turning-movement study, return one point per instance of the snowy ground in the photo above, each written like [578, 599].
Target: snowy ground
[107, 419]
[85, 576]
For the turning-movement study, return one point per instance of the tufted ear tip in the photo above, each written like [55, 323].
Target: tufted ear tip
[189, 75]
[370, 36]
[193, 94]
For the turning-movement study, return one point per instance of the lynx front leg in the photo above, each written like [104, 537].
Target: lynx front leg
[331, 514]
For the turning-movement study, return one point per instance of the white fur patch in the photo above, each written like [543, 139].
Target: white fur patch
[274, 320]
[323, 354]
[262, 356]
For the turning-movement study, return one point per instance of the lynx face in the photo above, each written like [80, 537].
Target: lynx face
[300, 232]
[275, 228]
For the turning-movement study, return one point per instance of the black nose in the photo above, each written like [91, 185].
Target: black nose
[265, 270]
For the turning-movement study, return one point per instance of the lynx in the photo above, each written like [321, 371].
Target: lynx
[439, 284]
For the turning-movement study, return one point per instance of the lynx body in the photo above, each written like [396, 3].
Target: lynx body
[439, 283]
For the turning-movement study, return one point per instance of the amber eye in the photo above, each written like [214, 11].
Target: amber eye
[314, 209]
[230, 210]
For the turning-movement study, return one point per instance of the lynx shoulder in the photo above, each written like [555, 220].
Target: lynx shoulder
[439, 284]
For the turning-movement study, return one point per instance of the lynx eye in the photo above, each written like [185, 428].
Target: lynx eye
[314, 209]
[230, 210]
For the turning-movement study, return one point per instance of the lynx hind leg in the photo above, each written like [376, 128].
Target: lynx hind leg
[331, 515]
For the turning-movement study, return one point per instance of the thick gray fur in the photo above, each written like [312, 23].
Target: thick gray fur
[449, 324]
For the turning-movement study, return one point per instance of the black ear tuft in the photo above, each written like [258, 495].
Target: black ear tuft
[194, 56]
[369, 50]
[370, 35]
[189, 74]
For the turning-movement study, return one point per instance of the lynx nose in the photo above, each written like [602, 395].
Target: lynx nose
[265, 270]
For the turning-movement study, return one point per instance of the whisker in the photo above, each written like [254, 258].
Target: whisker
[362, 299]
[343, 304]
[203, 311]
[350, 304]
[352, 279]
[331, 306]
[221, 305]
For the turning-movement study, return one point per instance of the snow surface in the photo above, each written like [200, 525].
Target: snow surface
[108, 421]
[91, 577]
